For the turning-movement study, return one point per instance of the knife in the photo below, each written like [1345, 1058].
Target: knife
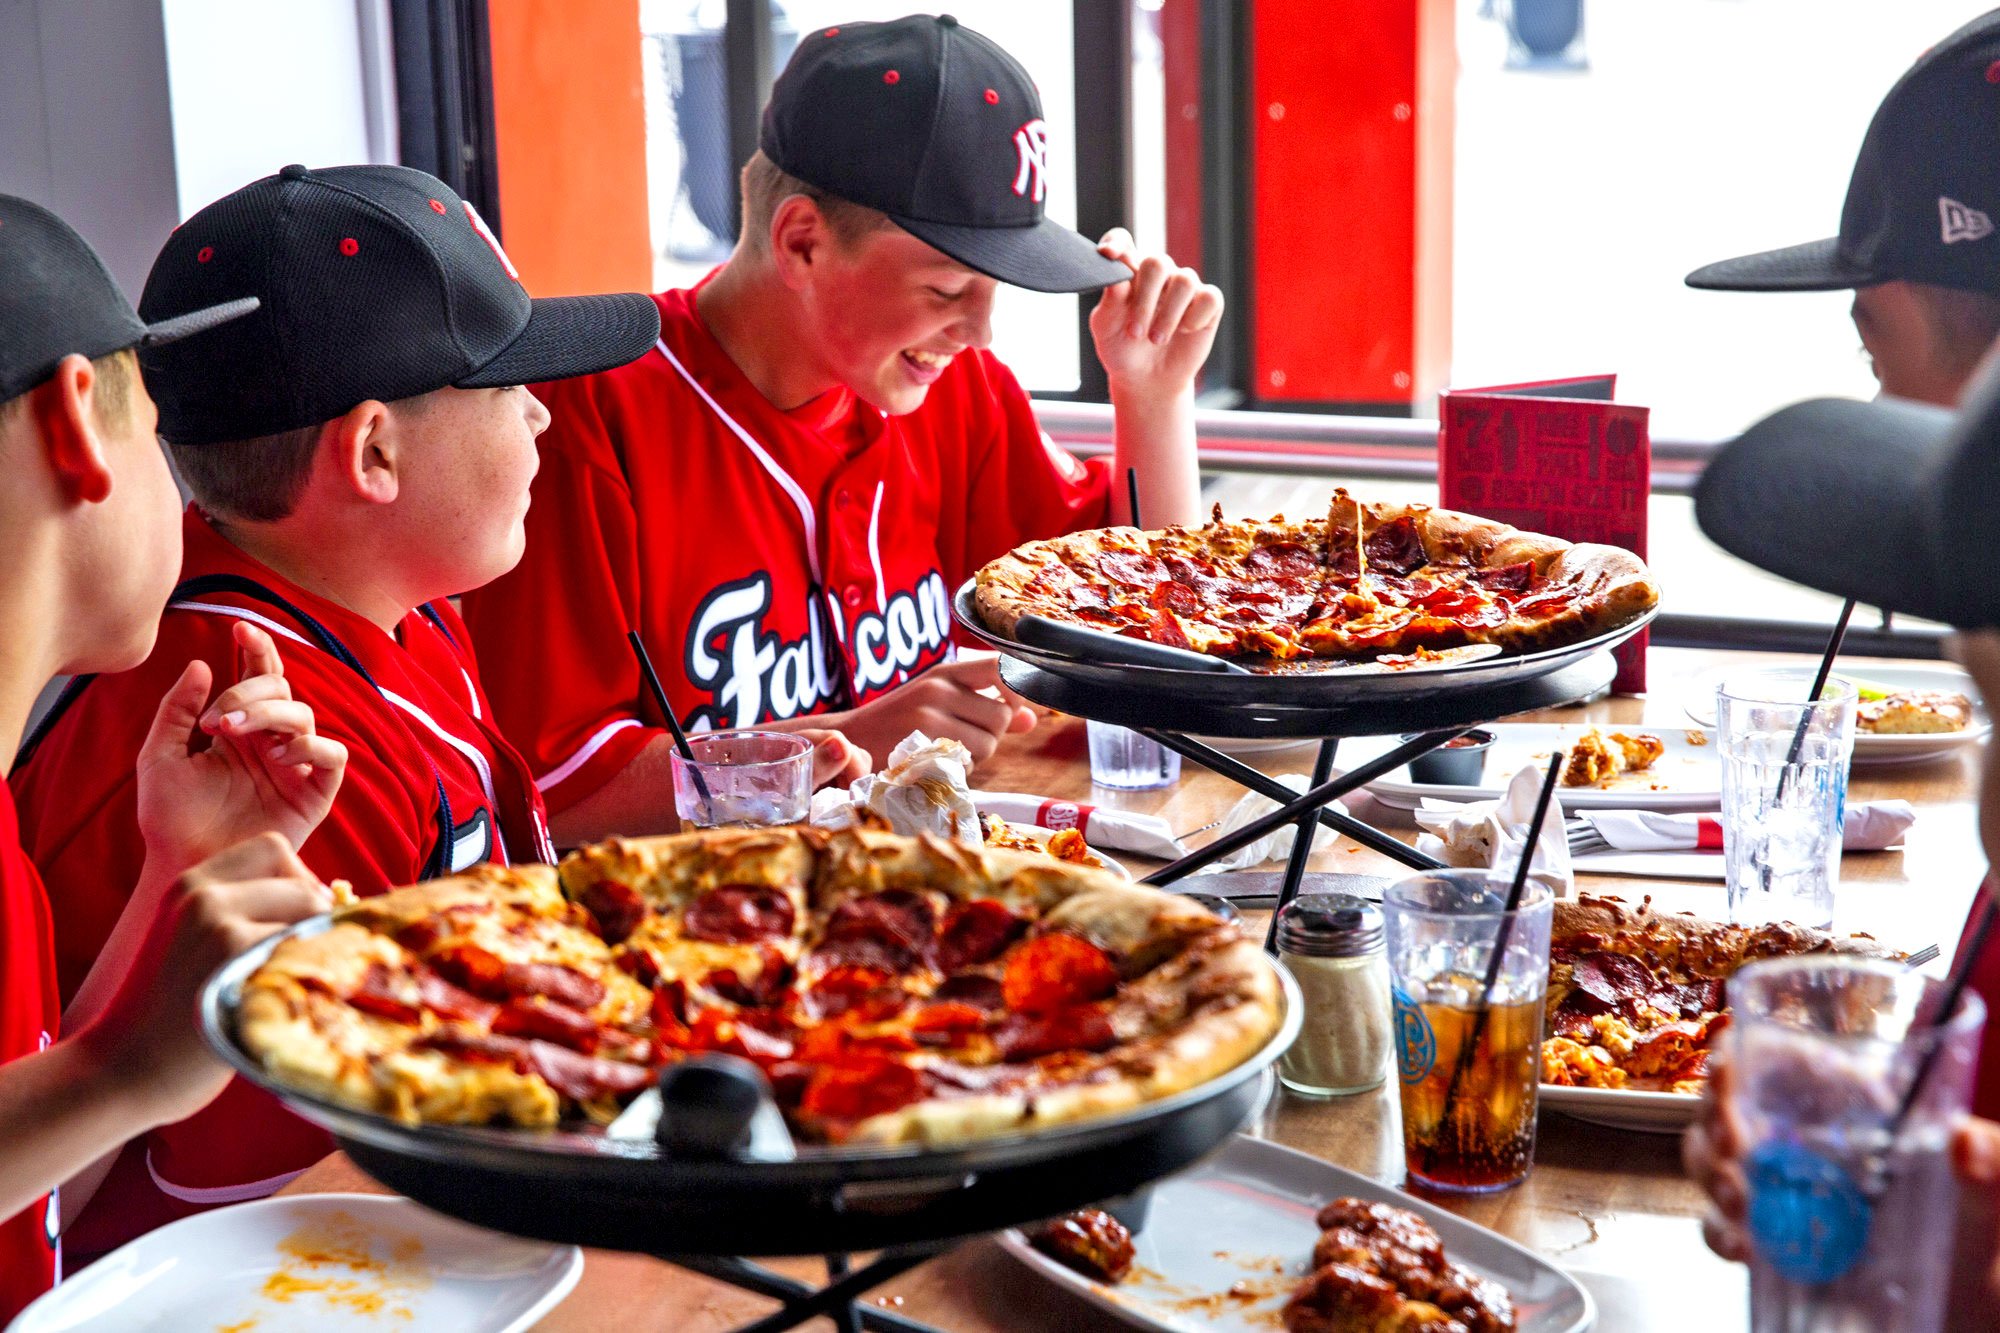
[1099, 646]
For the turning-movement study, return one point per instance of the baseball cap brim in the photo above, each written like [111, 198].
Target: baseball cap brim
[567, 336]
[165, 331]
[1816, 266]
[1047, 257]
[1853, 499]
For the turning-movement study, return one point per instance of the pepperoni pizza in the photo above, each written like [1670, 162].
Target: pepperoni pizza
[1366, 583]
[893, 989]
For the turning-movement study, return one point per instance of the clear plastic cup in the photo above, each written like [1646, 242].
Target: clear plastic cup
[1784, 793]
[1127, 760]
[749, 779]
[1469, 1063]
[1850, 1231]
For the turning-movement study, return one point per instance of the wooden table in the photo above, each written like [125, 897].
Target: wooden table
[1610, 1206]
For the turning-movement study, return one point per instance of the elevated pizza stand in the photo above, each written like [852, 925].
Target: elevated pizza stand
[1432, 704]
[710, 1187]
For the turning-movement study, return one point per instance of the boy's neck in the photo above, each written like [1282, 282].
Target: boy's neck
[30, 653]
[323, 564]
[761, 326]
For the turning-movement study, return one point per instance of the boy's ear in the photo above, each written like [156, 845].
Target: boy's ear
[799, 236]
[65, 415]
[361, 449]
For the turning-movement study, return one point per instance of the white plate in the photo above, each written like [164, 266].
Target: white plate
[1620, 1108]
[1245, 1216]
[1686, 777]
[1042, 835]
[1871, 749]
[314, 1261]
[1240, 747]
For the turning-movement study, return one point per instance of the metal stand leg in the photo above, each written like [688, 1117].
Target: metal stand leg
[1312, 800]
[1264, 785]
[801, 1301]
[1302, 844]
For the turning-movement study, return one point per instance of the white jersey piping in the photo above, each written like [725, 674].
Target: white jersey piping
[583, 753]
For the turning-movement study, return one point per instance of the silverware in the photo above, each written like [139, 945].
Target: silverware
[1583, 838]
[1927, 954]
[1213, 823]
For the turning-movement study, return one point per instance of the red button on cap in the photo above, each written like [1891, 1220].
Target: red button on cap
[891, 76]
[349, 246]
[992, 98]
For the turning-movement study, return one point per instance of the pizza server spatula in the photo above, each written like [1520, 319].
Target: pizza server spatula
[1096, 645]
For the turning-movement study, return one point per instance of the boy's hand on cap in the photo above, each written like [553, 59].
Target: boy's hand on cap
[1154, 332]
[265, 769]
[147, 1034]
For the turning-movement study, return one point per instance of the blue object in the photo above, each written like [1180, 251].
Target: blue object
[1808, 1219]
[1416, 1044]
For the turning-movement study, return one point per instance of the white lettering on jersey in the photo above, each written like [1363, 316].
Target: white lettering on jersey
[751, 675]
[1031, 146]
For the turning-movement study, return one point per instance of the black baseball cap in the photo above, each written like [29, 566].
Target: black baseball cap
[926, 120]
[57, 298]
[1893, 503]
[1925, 191]
[374, 282]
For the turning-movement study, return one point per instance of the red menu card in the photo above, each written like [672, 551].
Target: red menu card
[1556, 456]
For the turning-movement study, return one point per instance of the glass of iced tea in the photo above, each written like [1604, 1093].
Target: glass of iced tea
[1469, 1060]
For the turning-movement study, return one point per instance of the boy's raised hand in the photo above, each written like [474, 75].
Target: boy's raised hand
[264, 771]
[1154, 332]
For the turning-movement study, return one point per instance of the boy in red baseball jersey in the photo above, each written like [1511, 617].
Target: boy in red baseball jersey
[782, 494]
[359, 449]
[89, 513]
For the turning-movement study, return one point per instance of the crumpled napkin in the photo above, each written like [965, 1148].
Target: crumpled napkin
[922, 789]
[1121, 830]
[1277, 844]
[1870, 826]
[1492, 834]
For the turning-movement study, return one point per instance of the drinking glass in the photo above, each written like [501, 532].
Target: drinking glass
[1784, 793]
[1849, 1230]
[1469, 1062]
[753, 779]
[1125, 759]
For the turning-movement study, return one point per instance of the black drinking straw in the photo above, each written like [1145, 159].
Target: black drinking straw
[1954, 987]
[1500, 941]
[673, 723]
[1132, 494]
[1819, 683]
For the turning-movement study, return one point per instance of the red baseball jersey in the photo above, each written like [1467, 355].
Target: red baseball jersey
[431, 787]
[1985, 980]
[28, 1014]
[777, 563]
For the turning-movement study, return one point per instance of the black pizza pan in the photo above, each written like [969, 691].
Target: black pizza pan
[581, 1187]
[1328, 686]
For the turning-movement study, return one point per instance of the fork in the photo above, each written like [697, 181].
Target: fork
[1927, 954]
[1584, 839]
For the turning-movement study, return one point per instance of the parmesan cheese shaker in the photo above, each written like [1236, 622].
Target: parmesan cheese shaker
[1331, 943]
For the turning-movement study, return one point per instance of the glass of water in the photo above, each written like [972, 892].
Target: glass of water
[748, 779]
[1850, 1225]
[1127, 760]
[1784, 793]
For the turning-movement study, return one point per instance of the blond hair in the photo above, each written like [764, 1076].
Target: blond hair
[766, 185]
[116, 373]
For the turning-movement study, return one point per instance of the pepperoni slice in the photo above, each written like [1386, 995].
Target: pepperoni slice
[1285, 559]
[1177, 597]
[419, 936]
[975, 932]
[671, 1012]
[553, 981]
[1056, 971]
[1508, 578]
[867, 1086]
[480, 1047]
[480, 971]
[855, 991]
[583, 1077]
[739, 914]
[938, 1024]
[895, 930]
[764, 989]
[381, 995]
[716, 1031]
[617, 908]
[639, 965]
[1132, 568]
[549, 1020]
[448, 1001]
[1396, 548]
[1026, 1036]
[981, 992]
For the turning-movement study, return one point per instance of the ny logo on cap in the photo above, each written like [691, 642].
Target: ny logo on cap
[1031, 143]
[1962, 223]
[486, 234]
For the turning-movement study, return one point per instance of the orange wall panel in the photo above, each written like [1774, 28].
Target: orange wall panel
[569, 114]
[1351, 113]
